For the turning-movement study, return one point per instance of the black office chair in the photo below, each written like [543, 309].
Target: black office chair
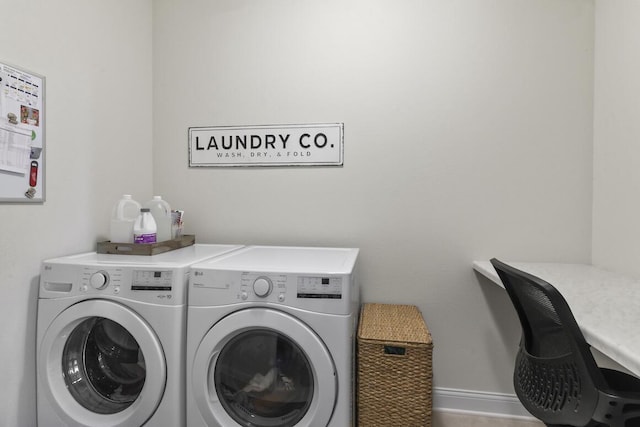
[555, 377]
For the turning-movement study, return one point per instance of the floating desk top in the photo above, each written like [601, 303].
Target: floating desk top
[605, 305]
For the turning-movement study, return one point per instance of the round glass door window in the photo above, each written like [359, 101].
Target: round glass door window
[103, 366]
[263, 379]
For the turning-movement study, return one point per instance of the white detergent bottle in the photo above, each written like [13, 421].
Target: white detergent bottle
[144, 229]
[161, 211]
[123, 216]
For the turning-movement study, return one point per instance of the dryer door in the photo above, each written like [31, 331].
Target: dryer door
[102, 365]
[263, 368]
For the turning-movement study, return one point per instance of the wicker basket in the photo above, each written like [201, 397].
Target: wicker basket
[394, 367]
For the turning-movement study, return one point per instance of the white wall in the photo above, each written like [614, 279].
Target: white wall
[96, 57]
[468, 134]
[616, 180]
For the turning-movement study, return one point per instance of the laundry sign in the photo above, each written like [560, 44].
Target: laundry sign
[266, 145]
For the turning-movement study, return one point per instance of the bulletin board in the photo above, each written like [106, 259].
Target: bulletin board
[22, 135]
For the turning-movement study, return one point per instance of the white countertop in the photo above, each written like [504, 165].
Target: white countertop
[606, 305]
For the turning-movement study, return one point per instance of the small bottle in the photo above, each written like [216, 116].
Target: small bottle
[145, 229]
[161, 212]
[123, 215]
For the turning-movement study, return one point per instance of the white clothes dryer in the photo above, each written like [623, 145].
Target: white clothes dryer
[110, 338]
[270, 338]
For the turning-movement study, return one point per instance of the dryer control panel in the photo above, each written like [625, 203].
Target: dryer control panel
[315, 279]
[319, 287]
[323, 293]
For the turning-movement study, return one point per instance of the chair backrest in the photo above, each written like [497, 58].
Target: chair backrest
[555, 377]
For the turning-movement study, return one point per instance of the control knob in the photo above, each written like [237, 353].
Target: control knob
[262, 287]
[99, 280]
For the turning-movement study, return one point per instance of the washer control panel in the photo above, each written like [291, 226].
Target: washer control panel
[155, 280]
[165, 286]
[134, 280]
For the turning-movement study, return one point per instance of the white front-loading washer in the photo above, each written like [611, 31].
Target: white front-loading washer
[270, 338]
[111, 336]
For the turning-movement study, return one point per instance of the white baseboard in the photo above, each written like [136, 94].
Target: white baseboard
[478, 403]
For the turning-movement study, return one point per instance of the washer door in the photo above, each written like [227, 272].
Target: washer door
[102, 365]
[263, 368]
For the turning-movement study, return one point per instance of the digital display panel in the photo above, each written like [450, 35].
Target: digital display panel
[319, 287]
[157, 280]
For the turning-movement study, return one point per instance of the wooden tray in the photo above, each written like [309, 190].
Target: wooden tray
[108, 247]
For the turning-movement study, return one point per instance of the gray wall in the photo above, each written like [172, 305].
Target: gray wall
[468, 134]
[96, 57]
[616, 176]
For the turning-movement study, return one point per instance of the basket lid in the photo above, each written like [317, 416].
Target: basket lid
[392, 322]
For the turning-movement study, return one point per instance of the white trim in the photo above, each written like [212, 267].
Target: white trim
[478, 403]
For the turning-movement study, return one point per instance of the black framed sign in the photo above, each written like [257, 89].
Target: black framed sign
[266, 145]
[22, 135]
